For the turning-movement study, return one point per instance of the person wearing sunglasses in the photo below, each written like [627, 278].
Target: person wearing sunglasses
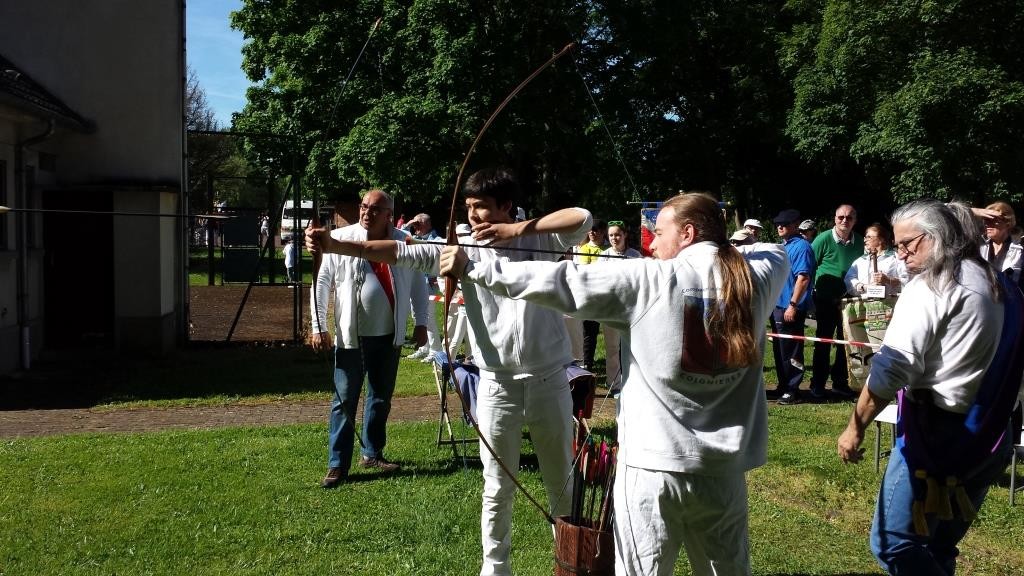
[791, 309]
[371, 307]
[834, 251]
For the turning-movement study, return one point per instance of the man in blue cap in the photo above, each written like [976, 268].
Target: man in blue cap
[791, 308]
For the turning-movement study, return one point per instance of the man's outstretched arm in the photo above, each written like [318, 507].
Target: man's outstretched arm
[319, 241]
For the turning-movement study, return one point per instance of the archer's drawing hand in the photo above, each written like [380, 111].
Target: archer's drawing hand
[317, 239]
[453, 262]
[490, 232]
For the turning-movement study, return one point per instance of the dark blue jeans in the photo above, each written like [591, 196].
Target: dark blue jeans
[893, 540]
[789, 354]
[376, 359]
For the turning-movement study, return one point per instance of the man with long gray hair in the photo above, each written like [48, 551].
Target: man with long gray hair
[947, 356]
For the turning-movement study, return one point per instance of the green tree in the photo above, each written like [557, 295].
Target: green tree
[922, 98]
[698, 86]
[431, 75]
[205, 153]
[691, 92]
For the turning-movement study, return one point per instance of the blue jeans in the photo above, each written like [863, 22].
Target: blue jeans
[377, 360]
[788, 351]
[894, 542]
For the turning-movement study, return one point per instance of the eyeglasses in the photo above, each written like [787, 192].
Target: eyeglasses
[618, 223]
[373, 210]
[904, 247]
[846, 216]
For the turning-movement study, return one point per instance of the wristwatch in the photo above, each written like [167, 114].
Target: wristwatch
[793, 304]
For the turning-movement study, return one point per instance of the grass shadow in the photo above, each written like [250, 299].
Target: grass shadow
[80, 379]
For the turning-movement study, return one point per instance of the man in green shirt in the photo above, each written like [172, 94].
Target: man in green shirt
[834, 251]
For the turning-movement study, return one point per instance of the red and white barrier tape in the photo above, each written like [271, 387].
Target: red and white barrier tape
[440, 298]
[826, 341]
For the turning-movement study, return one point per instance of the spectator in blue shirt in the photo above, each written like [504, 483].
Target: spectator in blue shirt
[791, 309]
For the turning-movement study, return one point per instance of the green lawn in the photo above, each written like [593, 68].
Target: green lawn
[246, 500]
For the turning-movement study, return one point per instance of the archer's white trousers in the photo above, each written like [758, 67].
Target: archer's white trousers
[657, 512]
[544, 405]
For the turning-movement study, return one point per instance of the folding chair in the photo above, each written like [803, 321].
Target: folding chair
[1016, 457]
[886, 416]
[582, 386]
[467, 376]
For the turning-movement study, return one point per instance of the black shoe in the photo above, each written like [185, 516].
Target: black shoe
[843, 392]
[818, 395]
[789, 398]
[378, 464]
[773, 394]
[335, 476]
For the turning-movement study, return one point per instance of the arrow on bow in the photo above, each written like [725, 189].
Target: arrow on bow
[449, 289]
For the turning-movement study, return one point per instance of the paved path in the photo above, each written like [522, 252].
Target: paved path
[15, 423]
[25, 423]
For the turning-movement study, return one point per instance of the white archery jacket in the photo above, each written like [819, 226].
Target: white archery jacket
[677, 411]
[346, 274]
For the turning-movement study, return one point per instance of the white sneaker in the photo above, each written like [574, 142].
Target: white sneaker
[428, 358]
[419, 354]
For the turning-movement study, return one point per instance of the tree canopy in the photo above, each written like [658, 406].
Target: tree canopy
[765, 103]
[925, 97]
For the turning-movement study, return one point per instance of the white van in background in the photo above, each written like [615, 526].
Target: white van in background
[288, 215]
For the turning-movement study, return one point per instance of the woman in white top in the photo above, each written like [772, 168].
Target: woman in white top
[888, 270]
[999, 249]
[613, 367]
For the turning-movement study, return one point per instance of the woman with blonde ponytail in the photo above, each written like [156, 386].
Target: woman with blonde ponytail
[692, 415]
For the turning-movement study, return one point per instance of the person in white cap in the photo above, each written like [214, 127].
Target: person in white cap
[741, 238]
[808, 229]
[754, 227]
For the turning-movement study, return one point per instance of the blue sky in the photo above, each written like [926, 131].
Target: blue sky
[214, 51]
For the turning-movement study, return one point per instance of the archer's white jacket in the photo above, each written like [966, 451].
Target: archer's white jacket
[677, 412]
[510, 337]
[346, 275]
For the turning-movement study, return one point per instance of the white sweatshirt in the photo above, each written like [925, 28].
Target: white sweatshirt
[510, 338]
[347, 274]
[676, 412]
[942, 342]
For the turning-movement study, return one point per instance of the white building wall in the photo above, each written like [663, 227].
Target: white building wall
[119, 64]
[115, 62]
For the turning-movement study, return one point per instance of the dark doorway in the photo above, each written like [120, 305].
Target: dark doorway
[78, 269]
